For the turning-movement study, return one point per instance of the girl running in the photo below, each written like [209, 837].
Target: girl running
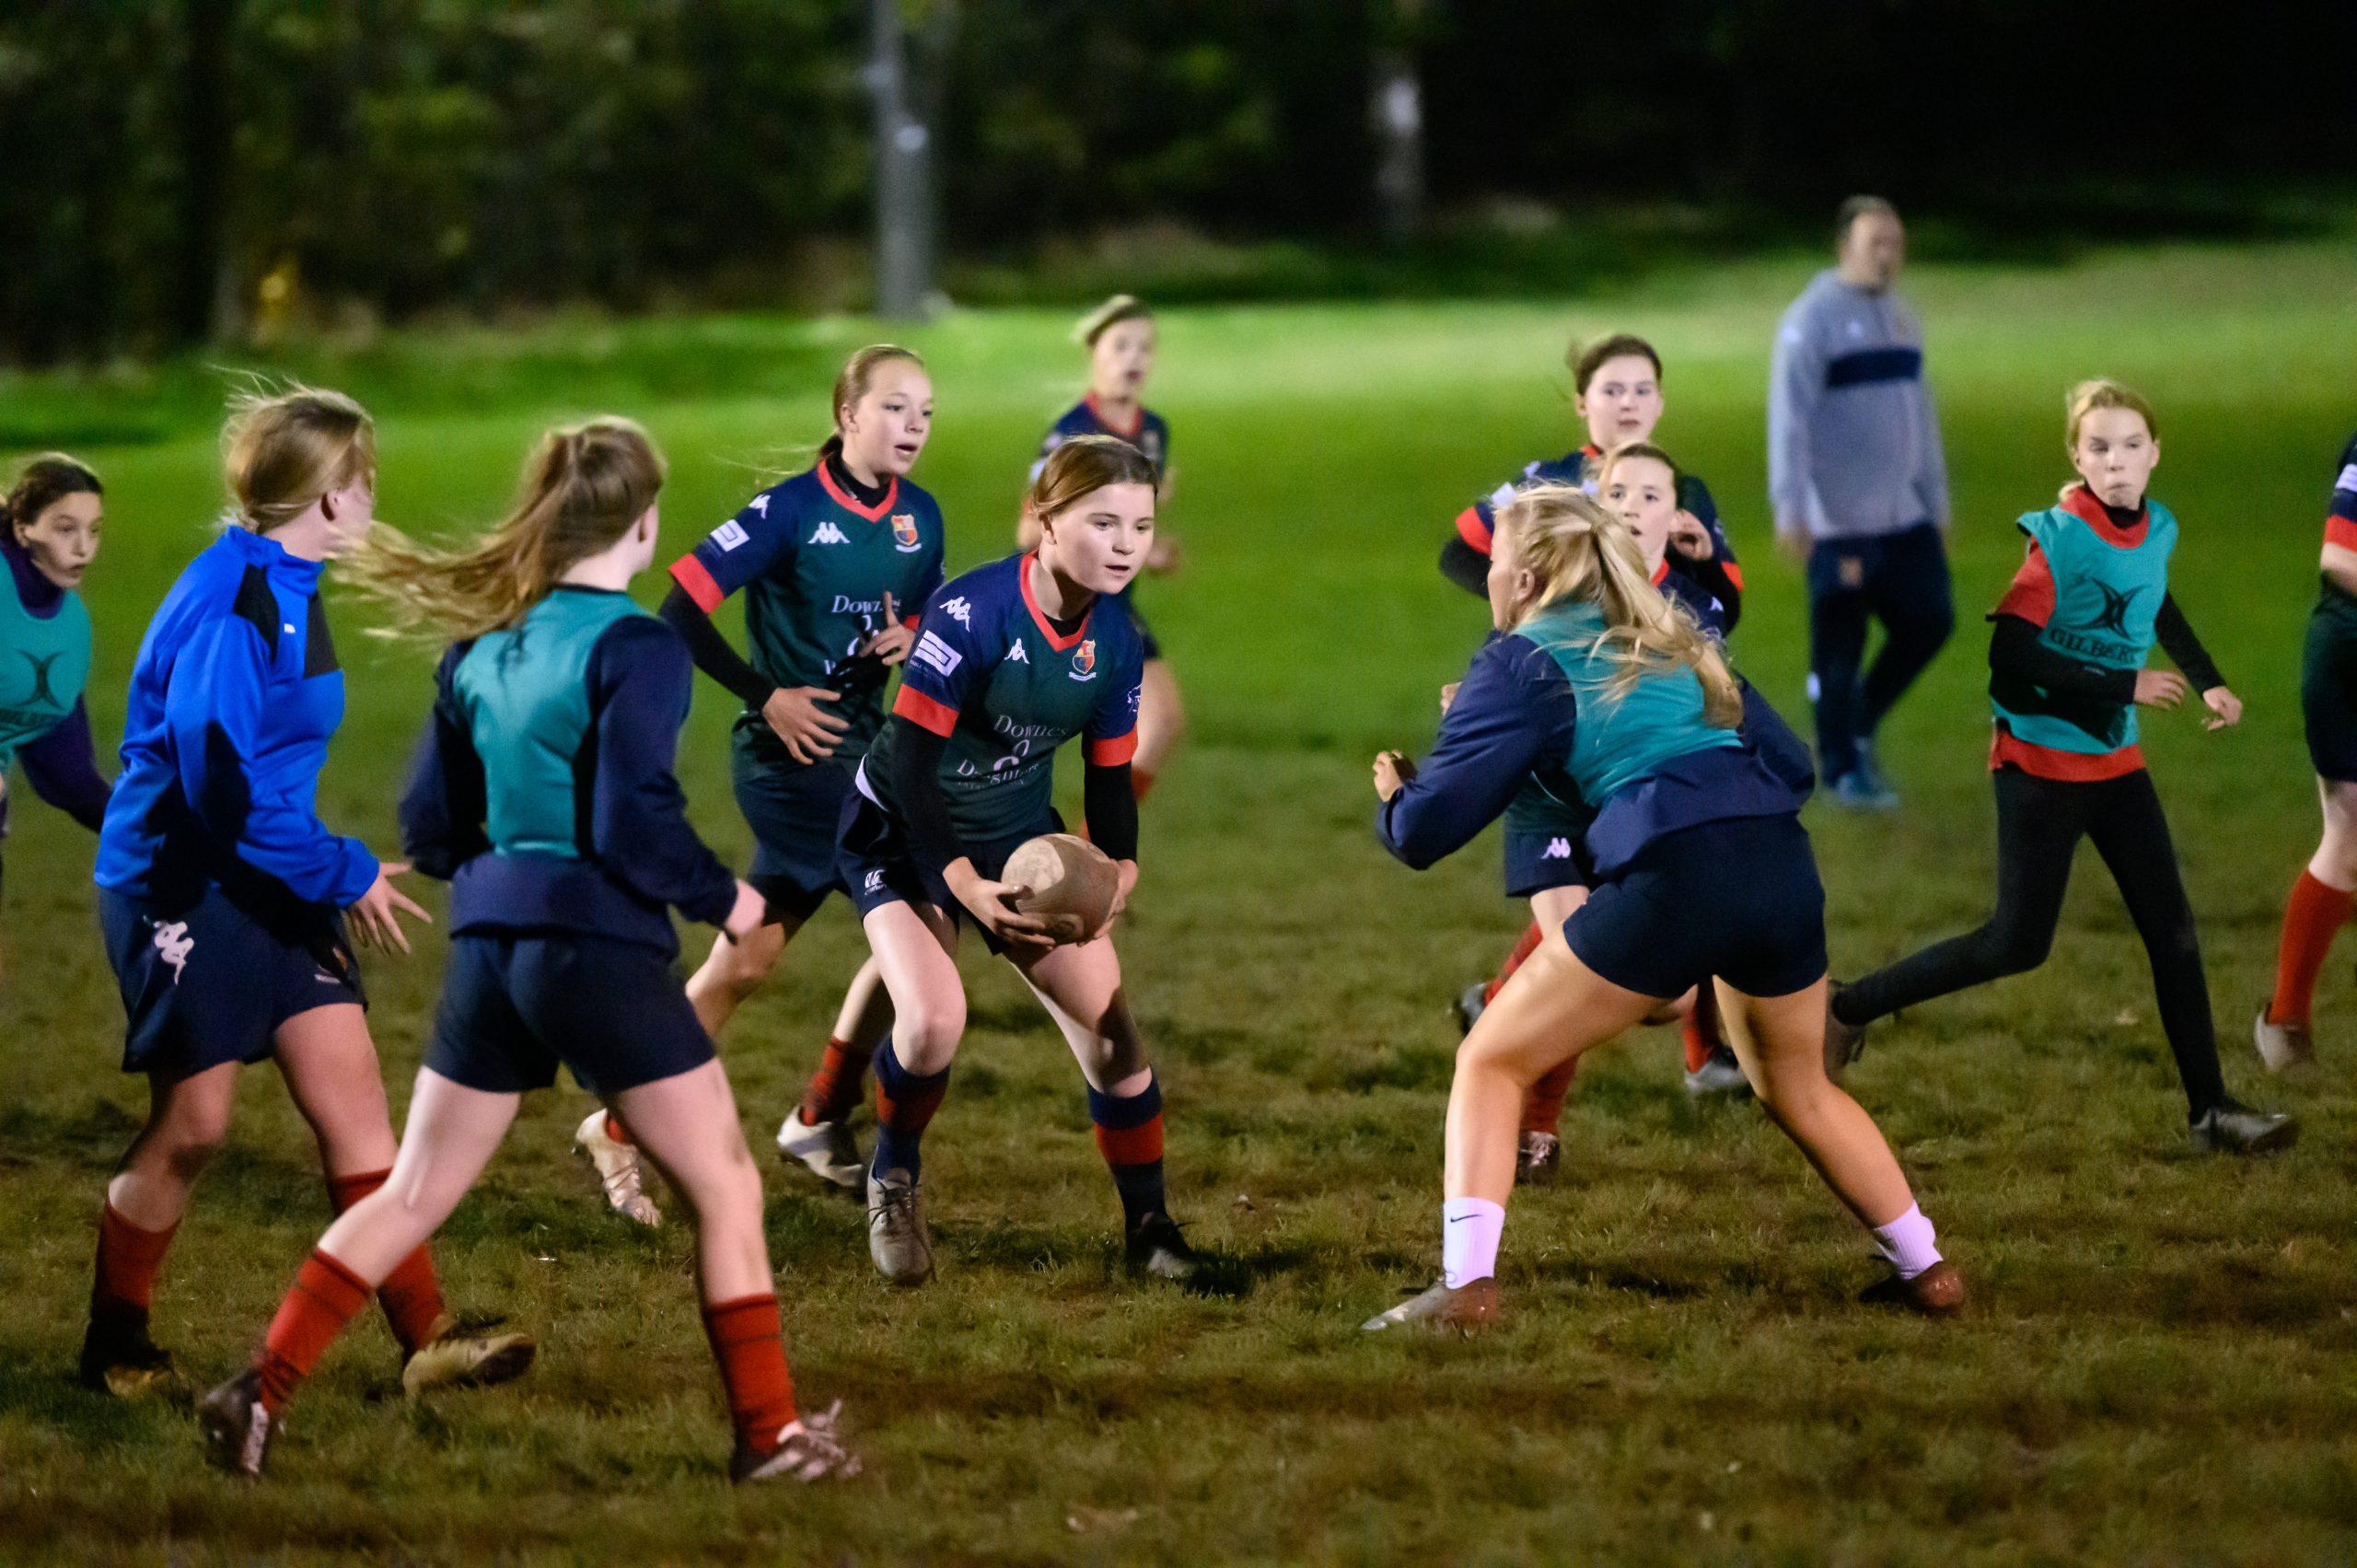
[836, 564]
[224, 898]
[1119, 337]
[1599, 688]
[49, 535]
[543, 792]
[2319, 904]
[1014, 660]
[2067, 672]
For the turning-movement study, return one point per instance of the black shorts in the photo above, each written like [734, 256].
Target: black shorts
[1537, 861]
[794, 811]
[212, 982]
[879, 866]
[2328, 694]
[515, 1005]
[1739, 899]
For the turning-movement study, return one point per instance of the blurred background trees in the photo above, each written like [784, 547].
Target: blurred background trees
[173, 170]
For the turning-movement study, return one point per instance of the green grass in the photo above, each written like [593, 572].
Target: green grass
[2162, 1362]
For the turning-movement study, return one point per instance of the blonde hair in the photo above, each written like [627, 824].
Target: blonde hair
[1104, 317]
[2101, 392]
[282, 451]
[1081, 466]
[850, 385]
[1577, 549]
[584, 486]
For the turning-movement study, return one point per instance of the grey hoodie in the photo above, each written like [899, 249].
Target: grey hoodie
[1854, 444]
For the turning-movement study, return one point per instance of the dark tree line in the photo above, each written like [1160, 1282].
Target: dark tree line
[174, 169]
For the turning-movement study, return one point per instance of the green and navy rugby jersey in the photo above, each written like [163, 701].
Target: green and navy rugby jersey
[1006, 687]
[1149, 433]
[543, 787]
[2340, 529]
[816, 564]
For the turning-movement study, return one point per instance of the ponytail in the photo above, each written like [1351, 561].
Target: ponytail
[1579, 550]
[584, 487]
[858, 374]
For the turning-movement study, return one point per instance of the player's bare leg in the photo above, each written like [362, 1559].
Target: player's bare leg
[1539, 1153]
[916, 947]
[1780, 1040]
[1554, 1009]
[1081, 987]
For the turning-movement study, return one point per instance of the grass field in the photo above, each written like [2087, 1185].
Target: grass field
[2162, 1362]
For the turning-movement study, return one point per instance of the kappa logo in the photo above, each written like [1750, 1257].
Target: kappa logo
[875, 882]
[1017, 655]
[42, 666]
[1083, 661]
[1557, 849]
[936, 655]
[731, 534]
[2116, 606]
[904, 533]
[760, 503]
[174, 943]
[958, 610]
[827, 533]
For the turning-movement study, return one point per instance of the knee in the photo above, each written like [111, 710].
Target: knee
[187, 1144]
[926, 1032]
[2014, 950]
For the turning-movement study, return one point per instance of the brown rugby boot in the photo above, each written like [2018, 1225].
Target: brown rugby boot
[1938, 1292]
[1470, 1306]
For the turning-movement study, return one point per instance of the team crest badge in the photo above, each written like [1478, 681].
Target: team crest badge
[1084, 659]
[904, 533]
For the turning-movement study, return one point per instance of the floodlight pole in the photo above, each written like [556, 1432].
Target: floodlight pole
[904, 230]
[1396, 116]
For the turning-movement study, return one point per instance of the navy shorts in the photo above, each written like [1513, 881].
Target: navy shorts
[1739, 899]
[2328, 694]
[212, 982]
[879, 866]
[515, 1004]
[794, 811]
[1537, 861]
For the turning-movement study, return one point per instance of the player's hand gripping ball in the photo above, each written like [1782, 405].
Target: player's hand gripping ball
[1067, 882]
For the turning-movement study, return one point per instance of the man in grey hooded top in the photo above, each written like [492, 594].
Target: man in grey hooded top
[1860, 488]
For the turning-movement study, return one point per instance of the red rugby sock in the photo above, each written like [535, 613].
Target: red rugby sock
[1542, 1107]
[410, 1295]
[1700, 1028]
[324, 1297]
[129, 1261]
[618, 1133]
[837, 1087]
[747, 1344]
[2313, 915]
[1523, 947]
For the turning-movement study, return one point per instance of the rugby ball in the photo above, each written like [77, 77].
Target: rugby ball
[1067, 882]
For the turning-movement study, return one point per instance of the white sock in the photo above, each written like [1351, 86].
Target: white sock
[1470, 1228]
[1907, 1242]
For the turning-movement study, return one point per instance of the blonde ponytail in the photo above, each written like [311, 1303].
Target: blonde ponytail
[1577, 549]
[584, 486]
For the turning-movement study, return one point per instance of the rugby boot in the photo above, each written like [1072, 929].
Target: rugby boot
[118, 1358]
[620, 1171]
[2282, 1046]
[808, 1448]
[827, 1149]
[1154, 1247]
[468, 1352]
[1938, 1292]
[2235, 1129]
[1844, 1044]
[235, 1428]
[1469, 1306]
[1468, 1007]
[1537, 1159]
[1719, 1077]
[897, 1238]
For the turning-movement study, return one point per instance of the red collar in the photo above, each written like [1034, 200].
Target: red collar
[2084, 504]
[851, 504]
[1056, 640]
[1137, 420]
[1590, 450]
[1661, 572]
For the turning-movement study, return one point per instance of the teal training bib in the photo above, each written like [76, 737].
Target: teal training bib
[2107, 600]
[44, 666]
[1620, 738]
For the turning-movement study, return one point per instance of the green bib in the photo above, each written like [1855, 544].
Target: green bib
[1620, 739]
[2107, 600]
[44, 666]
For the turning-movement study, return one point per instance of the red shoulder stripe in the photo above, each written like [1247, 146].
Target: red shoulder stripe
[925, 711]
[690, 573]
